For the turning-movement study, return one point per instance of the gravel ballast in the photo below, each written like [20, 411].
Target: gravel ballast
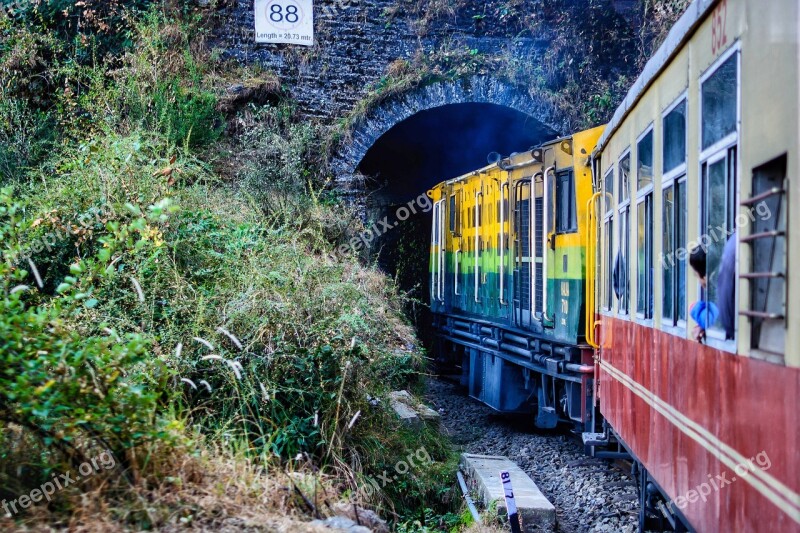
[590, 495]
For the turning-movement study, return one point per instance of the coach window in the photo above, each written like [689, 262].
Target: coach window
[608, 238]
[644, 222]
[767, 309]
[620, 276]
[673, 256]
[718, 160]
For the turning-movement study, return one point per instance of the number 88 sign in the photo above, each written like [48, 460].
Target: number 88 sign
[285, 21]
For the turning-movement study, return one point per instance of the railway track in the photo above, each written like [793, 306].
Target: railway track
[590, 495]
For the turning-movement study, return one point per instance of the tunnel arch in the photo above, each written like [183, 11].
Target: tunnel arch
[474, 90]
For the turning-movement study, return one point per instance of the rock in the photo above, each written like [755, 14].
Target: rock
[535, 510]
[342, 523]
[410, 411]
[362, 516]
[587, 492]
[259, 91]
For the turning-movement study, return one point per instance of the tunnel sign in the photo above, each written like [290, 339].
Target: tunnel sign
[285, 21]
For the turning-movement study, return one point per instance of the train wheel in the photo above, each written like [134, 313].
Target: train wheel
[654, 513]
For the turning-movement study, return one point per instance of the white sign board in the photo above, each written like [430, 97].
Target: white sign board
[285, 21]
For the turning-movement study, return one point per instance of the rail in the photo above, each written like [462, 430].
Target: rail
[591, 269]
[545, 242]
[478, 193]
[503, 188]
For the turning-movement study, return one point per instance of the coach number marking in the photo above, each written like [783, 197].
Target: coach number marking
[719, 31]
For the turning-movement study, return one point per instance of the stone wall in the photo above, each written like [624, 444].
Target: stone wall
[357, 40]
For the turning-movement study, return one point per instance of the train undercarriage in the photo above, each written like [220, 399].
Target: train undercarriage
[514, 371]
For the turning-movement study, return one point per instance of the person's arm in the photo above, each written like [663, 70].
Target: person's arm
[699, 334]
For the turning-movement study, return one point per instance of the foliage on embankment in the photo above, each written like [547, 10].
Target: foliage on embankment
[173, 296]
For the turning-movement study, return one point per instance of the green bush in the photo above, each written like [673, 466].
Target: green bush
[26, 137]
[105, 23]
[235, 314]
[303, 314]
[70, 380]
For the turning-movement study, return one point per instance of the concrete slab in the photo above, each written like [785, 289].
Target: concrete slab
[410, 411]
[483, 475]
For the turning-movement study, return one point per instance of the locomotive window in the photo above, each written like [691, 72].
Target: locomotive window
[621, 268]
[681, 217]
[566, 219]
[644, 262]
[718, 213]
[644, 166]
[435, 232]
[608, 239]
[675, 138]
[720, 103]
[621, 272]
[669, 246]
[768, 295]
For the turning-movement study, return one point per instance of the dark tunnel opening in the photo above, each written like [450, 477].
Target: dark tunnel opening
[443, 143]
[416, 154]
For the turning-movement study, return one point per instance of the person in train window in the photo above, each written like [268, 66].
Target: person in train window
[707, 313]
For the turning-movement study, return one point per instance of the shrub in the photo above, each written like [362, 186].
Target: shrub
[72, 382]
[26, 137]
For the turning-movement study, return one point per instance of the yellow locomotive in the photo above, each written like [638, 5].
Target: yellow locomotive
[508, 281]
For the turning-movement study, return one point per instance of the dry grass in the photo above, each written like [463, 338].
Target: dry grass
[207, 490]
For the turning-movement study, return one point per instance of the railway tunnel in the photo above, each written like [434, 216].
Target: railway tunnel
[421, 139]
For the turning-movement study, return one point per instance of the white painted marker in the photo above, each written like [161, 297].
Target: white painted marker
[511, 504]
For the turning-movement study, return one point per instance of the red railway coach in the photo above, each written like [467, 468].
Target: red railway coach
[704, 152]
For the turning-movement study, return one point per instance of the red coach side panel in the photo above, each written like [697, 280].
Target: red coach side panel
[718, 431]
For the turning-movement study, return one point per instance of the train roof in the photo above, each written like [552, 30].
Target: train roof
[511, 161]
[676, 39]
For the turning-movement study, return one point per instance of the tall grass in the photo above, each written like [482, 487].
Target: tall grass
[205, 291]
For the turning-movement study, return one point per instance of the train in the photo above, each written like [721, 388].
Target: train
[632, 281]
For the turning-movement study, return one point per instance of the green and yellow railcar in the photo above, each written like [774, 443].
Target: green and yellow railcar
[508, 280]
